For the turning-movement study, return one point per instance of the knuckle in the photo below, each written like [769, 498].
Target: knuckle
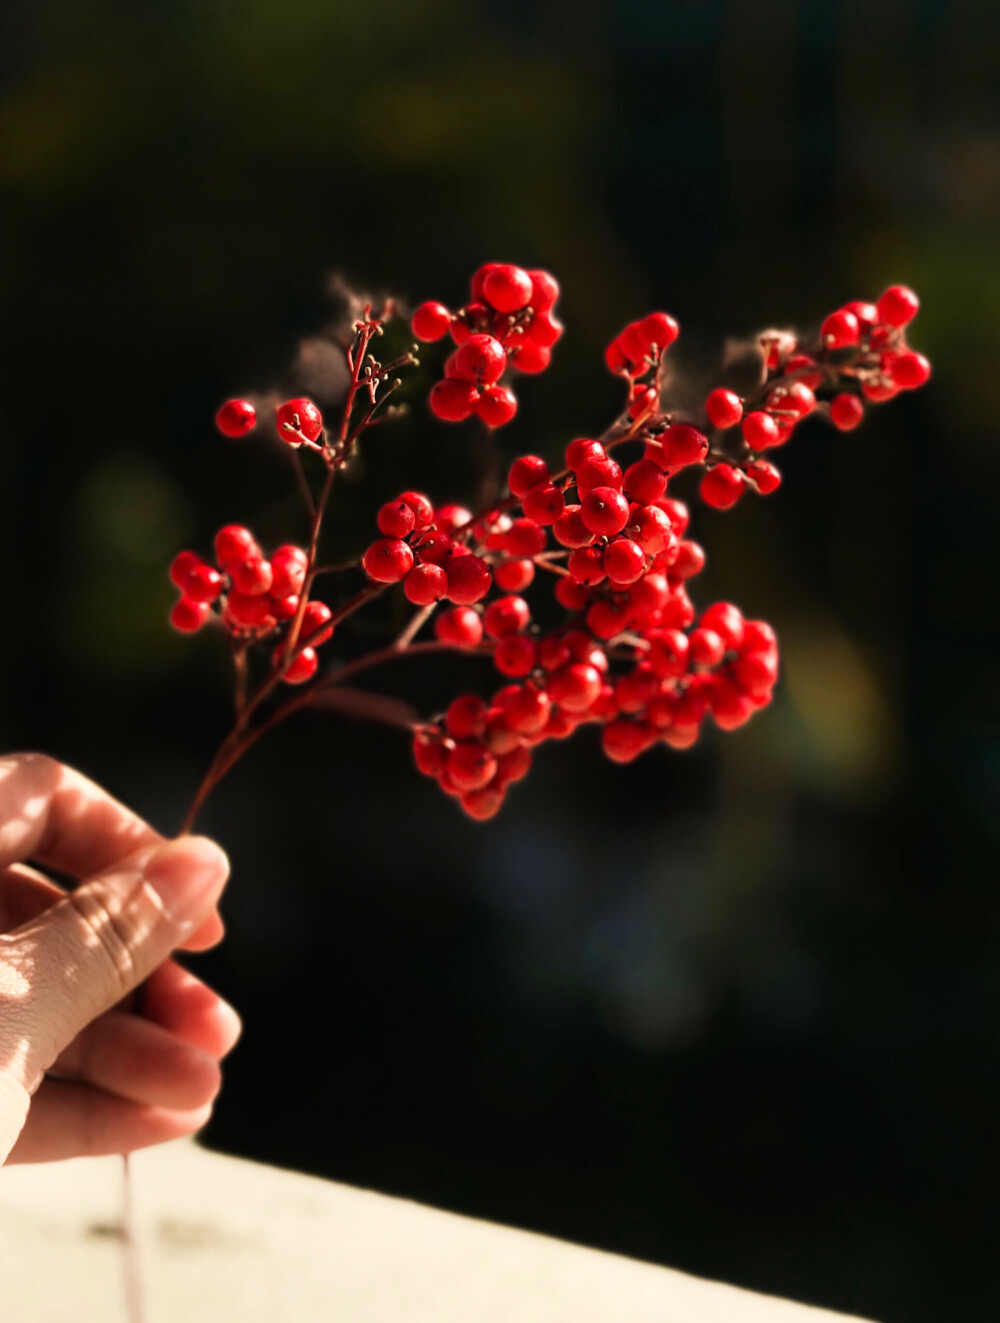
[111, 935]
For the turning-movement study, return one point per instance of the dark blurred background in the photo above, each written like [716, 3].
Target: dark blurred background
[737, 1011]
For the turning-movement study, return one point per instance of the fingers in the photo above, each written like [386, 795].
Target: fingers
[140, 1061]
[25, 893]
[208, 935]
[84, 953]
[75, 1120]
[182, 1004]
[51, 813]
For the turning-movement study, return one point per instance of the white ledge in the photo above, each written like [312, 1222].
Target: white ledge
[225, 1239]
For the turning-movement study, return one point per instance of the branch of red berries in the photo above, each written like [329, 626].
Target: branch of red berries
[629, 652]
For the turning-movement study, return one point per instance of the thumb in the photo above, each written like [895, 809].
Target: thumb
[81, 956]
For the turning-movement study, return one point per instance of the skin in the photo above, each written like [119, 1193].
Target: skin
[82, 1070]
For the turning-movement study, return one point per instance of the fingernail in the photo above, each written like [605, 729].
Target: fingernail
[188, 875]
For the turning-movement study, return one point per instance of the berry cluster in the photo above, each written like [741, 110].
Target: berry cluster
[861, 357]
[418, 546]
[254, 598]
[621, 644]
[510, 322]
[626, 657]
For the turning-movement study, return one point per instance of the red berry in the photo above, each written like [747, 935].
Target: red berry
[466, 717]
[759, 430]
[765, 475]
[430, 321]
[314, 617]
[525, 538]
[571, 595]
[461, 626]
[453, 400]
[203, 584]
[527, 472]
[727, 621]
[659, 329]
[544, 504]
[721, 487]
[288, 571]
[586, 565]
[188, 616]
[507, 287]
[234, 544]
[606, 619]
[303, 668]
[644, 402]
[476, 283]
[248, 612]
[544, 290]
[758, 636]
[804, 369]
[651, 528]
[598, 472]
[897, 306]
[515, 655]
[423, 511]
[582, 449]
[282, 608]
[681, 446]
[605, 511]
[425, 584]
[482, 804]
[396, 519]
[647, 595]
[624, 561]
[452, 517]
[635, 343]
[544, 329]
[435, 548]
[569, 530]
[388, 560]
[497, 406]
[526, 709]
[707, 647]
[298, 419]
[840, 330]
[531, 357]
[678, 613]
[575, 687]
[507, 615]
[236, 418]
[252, 577]
[846, 412]
[633, 691]
[513, 576]
[866, 313]
[644, 482]
[469, 579]
[481, 359]
[690, 561]
[724, 408]
[668, 653]
[879, 389]
[181, 566]
[615, 357]
[910, 370]
[471, 766]
[429, 752]
[756, 673]
[622, 741]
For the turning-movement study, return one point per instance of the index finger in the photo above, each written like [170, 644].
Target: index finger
[56, 816]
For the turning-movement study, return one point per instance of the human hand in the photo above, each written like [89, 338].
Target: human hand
[79, 1073]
